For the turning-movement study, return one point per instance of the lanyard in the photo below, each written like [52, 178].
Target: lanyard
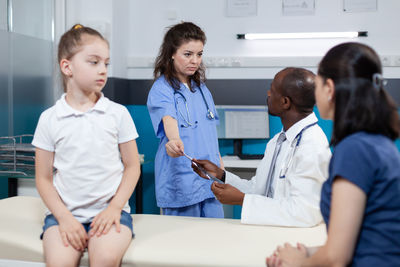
[282, 173]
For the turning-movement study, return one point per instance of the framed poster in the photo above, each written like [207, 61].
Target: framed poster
[360, 5]
[298, 7]
[241, 8]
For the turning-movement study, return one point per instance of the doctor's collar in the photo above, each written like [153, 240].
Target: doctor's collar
[296, 128]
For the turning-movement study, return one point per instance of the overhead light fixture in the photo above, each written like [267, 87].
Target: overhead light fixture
[301, 35]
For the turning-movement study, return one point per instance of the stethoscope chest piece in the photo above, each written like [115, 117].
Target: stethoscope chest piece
[210, 115]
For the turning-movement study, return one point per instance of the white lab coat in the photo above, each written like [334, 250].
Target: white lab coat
[296, 198]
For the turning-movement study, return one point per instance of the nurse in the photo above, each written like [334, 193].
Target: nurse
[184, 118]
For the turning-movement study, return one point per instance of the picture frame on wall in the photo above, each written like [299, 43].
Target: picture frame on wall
[298, 7]
[360, 6]
[241, 8]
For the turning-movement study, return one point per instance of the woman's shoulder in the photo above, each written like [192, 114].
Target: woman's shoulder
[366, 145]
[161, 83]
[205, 89]
[364, 139]
[204, 86]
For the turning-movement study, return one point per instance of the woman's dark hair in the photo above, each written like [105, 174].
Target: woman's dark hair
[173, 39]
[361, 102]
[71, 42]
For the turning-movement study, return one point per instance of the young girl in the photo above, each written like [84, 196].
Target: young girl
[90, 142]
[360, 201]
[183, 115]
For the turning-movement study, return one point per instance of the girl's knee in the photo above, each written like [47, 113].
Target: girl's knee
[105, 259]
[61, 262]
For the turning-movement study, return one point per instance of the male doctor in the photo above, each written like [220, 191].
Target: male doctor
[286, 188]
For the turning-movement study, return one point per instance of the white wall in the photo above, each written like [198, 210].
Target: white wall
[137, 29]
[110, 18]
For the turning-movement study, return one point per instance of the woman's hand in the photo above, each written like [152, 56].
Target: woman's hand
[287, 256]
[174, 148]
[72, 232]
[104, 220]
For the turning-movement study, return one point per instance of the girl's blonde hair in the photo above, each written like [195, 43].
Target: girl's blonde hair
[71, 41]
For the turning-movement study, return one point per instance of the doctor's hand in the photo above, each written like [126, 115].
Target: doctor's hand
[174, 148]
[207, 165]
[227, 194]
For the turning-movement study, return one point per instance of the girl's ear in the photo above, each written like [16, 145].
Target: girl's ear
[330, 87]
[65, 67]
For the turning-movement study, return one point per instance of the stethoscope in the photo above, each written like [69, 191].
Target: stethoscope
[210, 115]
[297, 139]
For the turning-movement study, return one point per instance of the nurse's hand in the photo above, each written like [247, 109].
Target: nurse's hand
[174, 148]
[207, 165]
[227, 194]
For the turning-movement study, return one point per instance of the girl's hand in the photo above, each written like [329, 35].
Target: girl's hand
[72, 232]
[174, 148]
[104, 220]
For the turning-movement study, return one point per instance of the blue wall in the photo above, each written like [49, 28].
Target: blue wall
[147, 145]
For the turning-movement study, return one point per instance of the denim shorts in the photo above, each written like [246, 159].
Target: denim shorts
[50, 221]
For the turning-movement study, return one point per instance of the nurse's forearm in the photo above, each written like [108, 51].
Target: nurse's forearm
[171, 128]
[221, 163]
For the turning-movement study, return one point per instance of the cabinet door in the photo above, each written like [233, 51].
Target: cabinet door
[4, 91]
[32, 61]
[3, 15]
[4, 79]
[32, 18]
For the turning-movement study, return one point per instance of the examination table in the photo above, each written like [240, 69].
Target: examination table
[159, 240]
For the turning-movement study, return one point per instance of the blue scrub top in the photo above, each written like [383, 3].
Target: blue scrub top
[371, 162]
[177, 185]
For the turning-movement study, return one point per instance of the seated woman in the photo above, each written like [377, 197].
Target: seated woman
[360, 201]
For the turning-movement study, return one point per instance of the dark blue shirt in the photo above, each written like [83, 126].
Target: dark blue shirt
[372, 162]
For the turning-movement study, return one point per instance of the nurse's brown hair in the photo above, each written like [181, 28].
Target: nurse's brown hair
[176, 36]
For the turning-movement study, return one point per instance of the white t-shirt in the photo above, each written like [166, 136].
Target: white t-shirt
[86, 153]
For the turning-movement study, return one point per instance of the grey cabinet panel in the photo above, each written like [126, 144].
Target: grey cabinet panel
[32, 68]
[4, 76]
[3, 15]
